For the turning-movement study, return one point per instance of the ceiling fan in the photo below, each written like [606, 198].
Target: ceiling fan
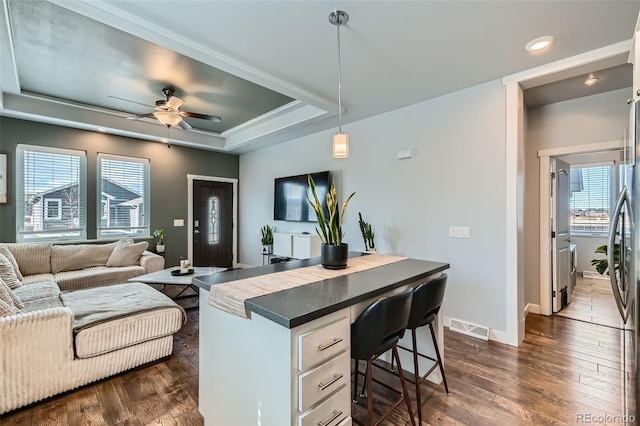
[167, 111]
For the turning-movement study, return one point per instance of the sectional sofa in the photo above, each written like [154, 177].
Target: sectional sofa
[78, 319]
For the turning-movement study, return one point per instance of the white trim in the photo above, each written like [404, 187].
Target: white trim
[531, 308]
[9, 81]
[545, 156]
[45, 206]
[190, 179]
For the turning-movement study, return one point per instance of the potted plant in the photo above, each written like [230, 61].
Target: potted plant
[266, 237]
[602, 265]
[367, 235]
[333, 253]
[160, 235]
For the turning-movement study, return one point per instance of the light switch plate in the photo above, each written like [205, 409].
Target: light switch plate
[459, 232]
[178, 222]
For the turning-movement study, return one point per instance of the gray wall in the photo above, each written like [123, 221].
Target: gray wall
[591, 119]
[456, 177]
[169, 169]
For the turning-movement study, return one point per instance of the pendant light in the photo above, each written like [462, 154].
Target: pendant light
[340, 140]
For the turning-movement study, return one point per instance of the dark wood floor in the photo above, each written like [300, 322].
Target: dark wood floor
[565, 367]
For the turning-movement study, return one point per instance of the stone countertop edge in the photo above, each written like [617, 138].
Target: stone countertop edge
[296, 306]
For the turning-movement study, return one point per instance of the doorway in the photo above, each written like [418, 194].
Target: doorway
[212, 218]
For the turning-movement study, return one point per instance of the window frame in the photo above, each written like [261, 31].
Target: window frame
[45, 202]
[614, 185]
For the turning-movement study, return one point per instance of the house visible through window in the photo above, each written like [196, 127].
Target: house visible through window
[50, 194]
[590, 201]
[123, 185]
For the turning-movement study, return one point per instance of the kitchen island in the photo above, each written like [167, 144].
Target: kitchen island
[289, 361]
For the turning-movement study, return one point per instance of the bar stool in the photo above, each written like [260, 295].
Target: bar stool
[377, 330]
[425, 305]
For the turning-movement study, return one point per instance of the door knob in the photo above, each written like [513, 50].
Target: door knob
[196, 231]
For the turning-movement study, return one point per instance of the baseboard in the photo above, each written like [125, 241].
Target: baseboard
[467, 328]
[593, 274]
[531, 308]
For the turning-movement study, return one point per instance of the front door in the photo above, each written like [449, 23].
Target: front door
[561, 237]
[212, 223]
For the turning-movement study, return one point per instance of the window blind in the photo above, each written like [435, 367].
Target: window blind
[50, 194]
[123, 202]
[590, 206]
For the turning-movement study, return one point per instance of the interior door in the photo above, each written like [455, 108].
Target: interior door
[212, 223]
[560, 235]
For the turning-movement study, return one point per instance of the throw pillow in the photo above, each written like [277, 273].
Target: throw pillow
[6, 309]
[127, 253]
[9, 297]
[7, 273]
[14, 262]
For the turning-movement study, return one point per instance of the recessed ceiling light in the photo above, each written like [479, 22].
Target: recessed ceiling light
[591, 80]
[540, 43]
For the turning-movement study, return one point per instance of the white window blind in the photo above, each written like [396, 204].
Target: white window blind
[50, 194]
[591, 201]
[123, 202]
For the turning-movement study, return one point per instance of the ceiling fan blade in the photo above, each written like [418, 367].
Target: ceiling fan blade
[135, 117]
[128, 100]
[214, 118]
[174, 102]
[185, 125]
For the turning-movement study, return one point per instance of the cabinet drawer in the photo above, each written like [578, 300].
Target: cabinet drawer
[317, 384]
[323, 343]
[332, 412]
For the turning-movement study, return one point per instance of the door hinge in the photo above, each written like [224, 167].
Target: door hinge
[553, 293]
[553, 234]
[553, 175]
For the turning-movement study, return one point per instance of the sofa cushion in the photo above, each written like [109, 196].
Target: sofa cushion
[37, 278]
[32, 258]
[6, 309]
[96, 277]
[42, 303]
[5, 251]
[82, 256]
[35, 291]
[8, 296]
[8, 273]
[110, 318]
[127, 253]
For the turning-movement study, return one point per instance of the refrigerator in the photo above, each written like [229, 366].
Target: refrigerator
[624, 240]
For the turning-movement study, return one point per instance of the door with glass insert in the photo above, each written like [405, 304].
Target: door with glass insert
[213, 224]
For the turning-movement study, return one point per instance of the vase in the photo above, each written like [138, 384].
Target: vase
[266, 248]
[334, 257]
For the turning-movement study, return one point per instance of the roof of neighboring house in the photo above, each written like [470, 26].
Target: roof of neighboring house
[111, 189]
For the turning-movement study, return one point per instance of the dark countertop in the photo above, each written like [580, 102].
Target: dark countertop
[293, 307]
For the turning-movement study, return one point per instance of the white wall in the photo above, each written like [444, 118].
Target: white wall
[591, 119]
[456, 177]
[585, 247]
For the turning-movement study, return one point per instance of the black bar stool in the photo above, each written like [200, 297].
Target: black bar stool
[425, 305]
[377, 330]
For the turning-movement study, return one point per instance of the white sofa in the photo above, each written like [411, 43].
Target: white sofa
[63, 339]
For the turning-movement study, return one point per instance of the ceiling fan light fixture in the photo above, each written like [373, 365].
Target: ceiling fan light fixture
[340, 139]
[167, 118]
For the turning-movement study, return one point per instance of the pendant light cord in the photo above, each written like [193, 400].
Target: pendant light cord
[339, 83]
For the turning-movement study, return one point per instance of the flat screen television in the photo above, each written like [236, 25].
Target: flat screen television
[290, 202]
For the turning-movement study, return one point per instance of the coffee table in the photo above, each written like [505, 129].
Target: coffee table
[165, 278]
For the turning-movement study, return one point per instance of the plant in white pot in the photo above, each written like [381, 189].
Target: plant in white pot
[160, 235]
[334, 253]
[266, 237]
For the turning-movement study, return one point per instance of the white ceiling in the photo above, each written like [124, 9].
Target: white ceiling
[395, 53]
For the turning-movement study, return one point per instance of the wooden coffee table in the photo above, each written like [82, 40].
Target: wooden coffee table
[165, 278]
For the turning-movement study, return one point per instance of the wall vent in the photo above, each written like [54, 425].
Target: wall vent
[469, 329]
[593, 274]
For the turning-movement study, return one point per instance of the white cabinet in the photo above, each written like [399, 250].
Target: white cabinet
[296, 246]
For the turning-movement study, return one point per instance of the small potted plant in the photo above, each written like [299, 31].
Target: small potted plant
[266, 237]
[160, 235]
[367, 235]
[333, 252]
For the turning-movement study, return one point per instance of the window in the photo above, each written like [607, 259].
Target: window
[123, 205]
[50, 194]
[590, 199]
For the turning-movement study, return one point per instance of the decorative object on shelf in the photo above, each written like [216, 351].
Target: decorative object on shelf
[160, 235]
[367, 235]
[266, 237]
[185, 264]
[333, 252]
[181, 272]
[340, 140]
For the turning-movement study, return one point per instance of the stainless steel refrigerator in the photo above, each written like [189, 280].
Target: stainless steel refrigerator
[624, 251]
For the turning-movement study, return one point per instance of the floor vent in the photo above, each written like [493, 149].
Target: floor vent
[593, 274]
[469, 329]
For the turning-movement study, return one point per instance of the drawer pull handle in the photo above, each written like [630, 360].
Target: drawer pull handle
[335, 415]
[328, 345]
[336, 377]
